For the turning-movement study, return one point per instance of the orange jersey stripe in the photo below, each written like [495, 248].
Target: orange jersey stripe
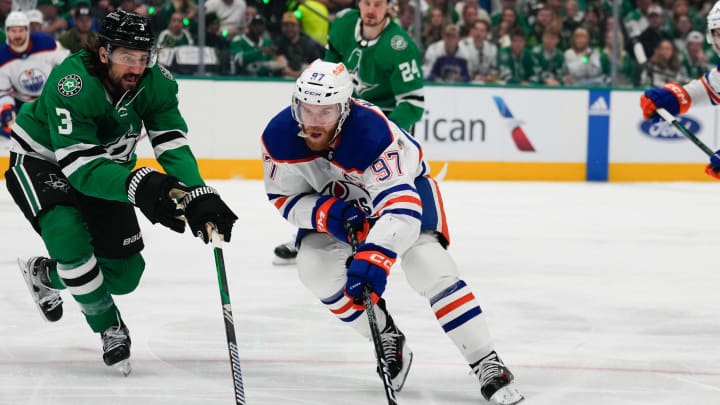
[709, 90]
[407, 199]
[279, 203]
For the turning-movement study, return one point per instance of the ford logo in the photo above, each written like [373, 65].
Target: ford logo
[665, 131]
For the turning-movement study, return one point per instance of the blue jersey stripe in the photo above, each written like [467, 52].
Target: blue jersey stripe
[460, 284]
[404, 211]
[471, 313]
[385, 193]
[292, 203]
[274, 196]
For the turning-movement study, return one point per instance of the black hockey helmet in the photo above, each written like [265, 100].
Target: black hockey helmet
[122, 29]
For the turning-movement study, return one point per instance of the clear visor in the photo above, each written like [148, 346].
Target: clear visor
[317, 115]
[132, 57]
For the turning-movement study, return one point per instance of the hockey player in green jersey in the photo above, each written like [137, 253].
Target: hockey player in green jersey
[385, 66]
[383, 61]
[71, 173]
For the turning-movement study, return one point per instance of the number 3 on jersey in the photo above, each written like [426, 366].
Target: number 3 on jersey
[65, 127]
[409, 70]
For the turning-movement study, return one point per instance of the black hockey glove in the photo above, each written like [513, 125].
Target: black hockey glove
[202, 206]
[149, 190]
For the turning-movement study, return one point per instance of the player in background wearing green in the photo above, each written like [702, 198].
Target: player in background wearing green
[385, 67]
[71, 173]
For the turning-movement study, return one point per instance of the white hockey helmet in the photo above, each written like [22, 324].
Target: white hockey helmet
[17, 19]
[713, 22]
[323, 83]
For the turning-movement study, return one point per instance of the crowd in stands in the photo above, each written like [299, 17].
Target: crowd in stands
[539, 42]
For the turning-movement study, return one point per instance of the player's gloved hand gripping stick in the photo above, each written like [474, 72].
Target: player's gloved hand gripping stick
[713, 169]
[374, 331]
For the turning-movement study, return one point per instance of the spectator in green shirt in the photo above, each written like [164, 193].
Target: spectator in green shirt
[515, 62]
[175, 34]
[81, 34]
[548, 61]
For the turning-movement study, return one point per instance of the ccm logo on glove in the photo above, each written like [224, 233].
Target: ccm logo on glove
[377, 259]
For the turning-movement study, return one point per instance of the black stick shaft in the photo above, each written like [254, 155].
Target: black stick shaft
[672, 120]
[229, 322]
[374, 332]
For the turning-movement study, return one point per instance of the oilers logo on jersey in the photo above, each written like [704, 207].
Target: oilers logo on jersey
[31, 80]
[350, 192]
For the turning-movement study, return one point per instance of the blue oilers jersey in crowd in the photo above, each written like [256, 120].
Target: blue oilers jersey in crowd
[23, 76]
[373, 164]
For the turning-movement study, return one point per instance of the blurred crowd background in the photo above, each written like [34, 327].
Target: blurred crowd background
[534, 42]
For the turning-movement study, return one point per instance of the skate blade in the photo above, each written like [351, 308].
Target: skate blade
[124, 367]
[399, 380]
[507, 395]
[24, 269]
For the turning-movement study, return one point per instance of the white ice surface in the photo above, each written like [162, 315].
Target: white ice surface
[596, 294]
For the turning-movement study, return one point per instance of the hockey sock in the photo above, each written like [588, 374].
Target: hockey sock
[340, 305]
[460, 316]
[84, 281]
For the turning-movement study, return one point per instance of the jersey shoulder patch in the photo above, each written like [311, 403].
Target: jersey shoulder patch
[281, 139]
[70, 85]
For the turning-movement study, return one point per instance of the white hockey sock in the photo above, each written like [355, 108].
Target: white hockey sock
[460, 316]
[341, 306]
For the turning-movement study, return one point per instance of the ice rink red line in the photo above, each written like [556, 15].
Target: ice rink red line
[301, 361]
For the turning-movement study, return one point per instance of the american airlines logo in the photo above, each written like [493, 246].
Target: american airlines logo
[522, 142]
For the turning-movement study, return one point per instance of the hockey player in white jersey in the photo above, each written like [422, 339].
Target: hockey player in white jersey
[677, 99]
[331, 160]
[25, 63]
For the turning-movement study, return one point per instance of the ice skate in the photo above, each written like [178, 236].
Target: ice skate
[495, 379]
[285, 254]
[397, 354]
[35, 272]
[116, 347]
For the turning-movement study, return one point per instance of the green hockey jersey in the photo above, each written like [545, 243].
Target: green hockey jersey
[76, 125]
[386, 71]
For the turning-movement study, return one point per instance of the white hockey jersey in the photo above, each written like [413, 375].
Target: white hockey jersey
[374, 164]
[22, 76]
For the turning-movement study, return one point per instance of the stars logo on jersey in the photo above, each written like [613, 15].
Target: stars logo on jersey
[57, 183]
[70, 85]
[166, 73]
[353, 65]
[398, 43]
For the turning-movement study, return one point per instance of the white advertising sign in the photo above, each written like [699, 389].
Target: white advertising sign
[633, 140]
[496, 124]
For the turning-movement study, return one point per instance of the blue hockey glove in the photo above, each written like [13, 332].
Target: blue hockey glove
[713, 169]
[671, 97]
[7, 115]
[370, 266]
[331, 215]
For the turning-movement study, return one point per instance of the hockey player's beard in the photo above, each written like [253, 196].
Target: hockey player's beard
[318, 138]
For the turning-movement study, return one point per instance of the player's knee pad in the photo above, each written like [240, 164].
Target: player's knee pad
[321, 264]
[428, 267]
[123, 275]
[65, 234]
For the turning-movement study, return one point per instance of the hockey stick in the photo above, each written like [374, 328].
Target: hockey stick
[228, 318]
[224, 300]
[377, 342]
[672, 120]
